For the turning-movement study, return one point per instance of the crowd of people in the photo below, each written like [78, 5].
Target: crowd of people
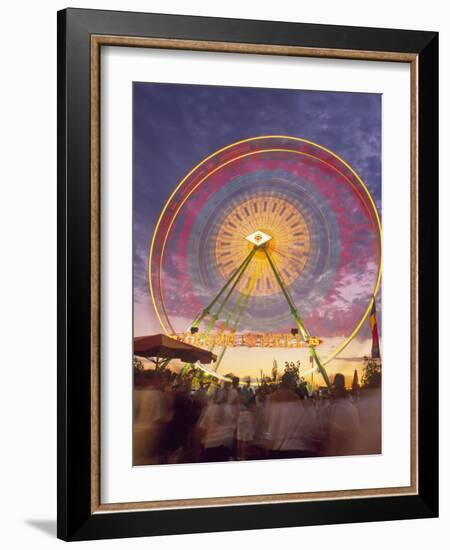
[174, 423]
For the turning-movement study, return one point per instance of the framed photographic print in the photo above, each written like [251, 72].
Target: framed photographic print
[247, 274]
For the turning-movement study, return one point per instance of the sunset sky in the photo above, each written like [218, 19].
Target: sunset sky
[176, 126]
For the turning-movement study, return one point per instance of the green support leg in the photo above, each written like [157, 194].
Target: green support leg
[298, 320]
[230, 316]
[238, 318]
[227, 297]
[237, 273]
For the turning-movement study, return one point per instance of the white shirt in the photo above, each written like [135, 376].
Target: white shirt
[219, 425]
[290, 426]
[151, 406]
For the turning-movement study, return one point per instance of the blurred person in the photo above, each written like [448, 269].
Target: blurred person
[302, 389]
[286, 393]
[322, 405]
[151, 412]
[234, 392]
[199, 400]
[369, 410]
[307, 436]
[201, 395]
[176, 436]
[259, 413]
[343, 423]
[217, 427]
[281, 418]
[245, 429]
[247, 391]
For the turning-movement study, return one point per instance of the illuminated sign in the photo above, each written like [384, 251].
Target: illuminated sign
[247, 339]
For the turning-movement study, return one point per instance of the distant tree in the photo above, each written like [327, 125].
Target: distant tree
[199, 377]
[137, 363]
[371, 373]
[355, 383]
[293, 368]
[274, 370]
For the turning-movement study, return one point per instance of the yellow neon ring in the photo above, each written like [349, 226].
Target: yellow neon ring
[375, 211]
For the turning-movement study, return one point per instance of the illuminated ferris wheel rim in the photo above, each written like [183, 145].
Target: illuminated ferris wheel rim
[373, 212]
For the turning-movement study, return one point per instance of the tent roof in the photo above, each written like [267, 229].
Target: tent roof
[160, 345]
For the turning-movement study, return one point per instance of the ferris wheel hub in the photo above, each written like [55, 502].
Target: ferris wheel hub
[258, 238]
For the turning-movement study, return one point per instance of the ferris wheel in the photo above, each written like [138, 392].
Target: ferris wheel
[263, 234]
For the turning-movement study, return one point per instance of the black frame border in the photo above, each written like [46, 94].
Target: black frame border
[75, 520]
